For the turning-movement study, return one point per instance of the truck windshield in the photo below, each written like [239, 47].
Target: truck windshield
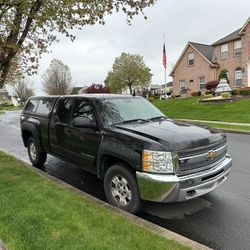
[124, 110]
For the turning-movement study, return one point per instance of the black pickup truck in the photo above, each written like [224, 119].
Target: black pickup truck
[137, 151]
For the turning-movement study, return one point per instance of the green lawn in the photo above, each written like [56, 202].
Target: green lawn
[190, 108]
[9, 107]
[36, 213]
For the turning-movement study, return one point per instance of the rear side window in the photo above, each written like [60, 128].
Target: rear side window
[31, 106]
[44, 106]
[64, 110]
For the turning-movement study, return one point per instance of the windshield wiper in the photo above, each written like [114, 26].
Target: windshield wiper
[132, 120]
[158, 117]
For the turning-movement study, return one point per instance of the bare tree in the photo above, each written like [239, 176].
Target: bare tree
[23, 90]
[57, 79]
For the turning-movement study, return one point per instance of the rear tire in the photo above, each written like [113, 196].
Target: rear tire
[36, 154]
[121, 188]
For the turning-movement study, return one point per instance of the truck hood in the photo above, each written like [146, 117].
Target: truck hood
[174, 135]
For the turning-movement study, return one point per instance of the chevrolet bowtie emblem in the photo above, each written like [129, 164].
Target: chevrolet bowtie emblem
[211, 154]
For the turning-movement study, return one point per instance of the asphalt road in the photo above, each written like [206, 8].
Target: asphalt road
[220, 220]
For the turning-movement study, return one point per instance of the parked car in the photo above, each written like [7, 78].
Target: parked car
[138, 152]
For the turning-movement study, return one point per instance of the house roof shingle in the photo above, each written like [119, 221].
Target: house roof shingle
[233, 36]
[206, 50]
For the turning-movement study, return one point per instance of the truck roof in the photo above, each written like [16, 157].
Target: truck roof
[95, 96]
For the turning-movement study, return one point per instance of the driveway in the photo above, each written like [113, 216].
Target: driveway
[220, 220]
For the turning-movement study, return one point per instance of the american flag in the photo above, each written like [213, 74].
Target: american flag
[164, 57]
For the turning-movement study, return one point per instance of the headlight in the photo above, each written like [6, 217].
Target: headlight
[157, 162]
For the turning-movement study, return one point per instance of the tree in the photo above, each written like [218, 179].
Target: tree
[22, 90]
[128, 72]
[28, 27]
[16, 73]
[97, 88]
[57, 79]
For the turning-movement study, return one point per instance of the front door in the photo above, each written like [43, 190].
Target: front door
[83, 143]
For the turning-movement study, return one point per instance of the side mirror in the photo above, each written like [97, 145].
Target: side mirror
[83, 122]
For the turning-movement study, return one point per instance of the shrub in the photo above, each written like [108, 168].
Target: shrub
[97, 88]
[208, 92]
[207, 96]
[225, 95]
[235, 92]
[245, 91]
[151, 98]
[212, 85]
[223, 74]
[196, 93]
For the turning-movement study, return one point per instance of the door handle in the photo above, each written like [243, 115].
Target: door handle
[68, 132]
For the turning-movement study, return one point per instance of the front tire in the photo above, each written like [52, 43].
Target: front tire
[36, 155]
[121, 189]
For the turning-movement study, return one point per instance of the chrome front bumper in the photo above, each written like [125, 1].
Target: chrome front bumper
[171, 188]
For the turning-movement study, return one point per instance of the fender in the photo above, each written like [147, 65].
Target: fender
[34, 129]
[118, 150]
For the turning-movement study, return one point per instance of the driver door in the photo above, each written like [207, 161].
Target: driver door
[83, 143]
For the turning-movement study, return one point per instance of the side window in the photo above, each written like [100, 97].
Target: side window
[224, 51]
[190, 59]
[44, 106]
[83, 108]
[31, 106]
[64, 110]
[182, 86]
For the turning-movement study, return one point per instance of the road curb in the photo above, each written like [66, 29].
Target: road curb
[231, 131]
[134, 219]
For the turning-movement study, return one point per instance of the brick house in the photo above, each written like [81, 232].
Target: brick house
[201, 63]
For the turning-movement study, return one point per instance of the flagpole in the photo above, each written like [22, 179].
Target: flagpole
[165, 68]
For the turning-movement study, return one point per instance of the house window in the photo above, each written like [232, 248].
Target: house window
[237, 48]
[238, 77]
[202, 83]
[224, 51]
[182, 86]
[190, 59]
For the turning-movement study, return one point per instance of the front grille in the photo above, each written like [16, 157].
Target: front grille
[201, 150]
[197, 159]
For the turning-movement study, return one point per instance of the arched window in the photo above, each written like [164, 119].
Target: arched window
[238, 76]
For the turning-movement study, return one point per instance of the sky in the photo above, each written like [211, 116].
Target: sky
[95, 48]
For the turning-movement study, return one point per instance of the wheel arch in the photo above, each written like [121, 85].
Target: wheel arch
[108, 160]
[30, 130]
